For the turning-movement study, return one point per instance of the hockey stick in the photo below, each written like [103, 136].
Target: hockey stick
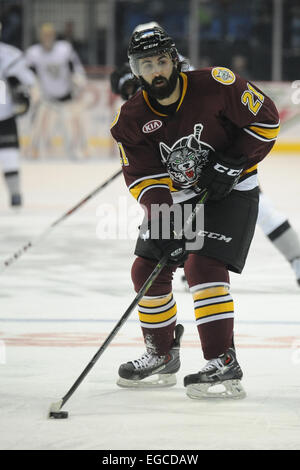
[30, 244]
[55, 408]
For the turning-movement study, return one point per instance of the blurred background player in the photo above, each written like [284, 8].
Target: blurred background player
[275, 225]
[61, 77]
[279, 231]
[16, 81]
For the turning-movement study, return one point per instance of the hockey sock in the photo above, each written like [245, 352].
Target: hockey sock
[208, 279]
[158, 319]
[157, 310]
[214, 312]
[286, 241]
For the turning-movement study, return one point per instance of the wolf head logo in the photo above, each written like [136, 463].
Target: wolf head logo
[186, 158]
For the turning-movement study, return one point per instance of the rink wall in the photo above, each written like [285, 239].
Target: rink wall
[286, 96]
[80, 130]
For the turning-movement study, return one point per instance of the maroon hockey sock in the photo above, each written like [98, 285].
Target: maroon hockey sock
[159, 340]
[157, 310]
[209, 283]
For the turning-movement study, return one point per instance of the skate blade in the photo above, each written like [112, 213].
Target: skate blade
[162, 381]
[232, 389]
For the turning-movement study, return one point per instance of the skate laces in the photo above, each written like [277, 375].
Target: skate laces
[212, 364]
[148, 359]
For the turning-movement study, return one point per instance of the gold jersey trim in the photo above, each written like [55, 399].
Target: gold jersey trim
[147, 184]
[249, 170]
[116, 118]
[263, 132]
[184, 88]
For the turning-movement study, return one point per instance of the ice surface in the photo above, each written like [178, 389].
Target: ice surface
[60, 300]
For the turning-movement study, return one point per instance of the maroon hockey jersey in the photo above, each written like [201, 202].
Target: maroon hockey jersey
[162, 155]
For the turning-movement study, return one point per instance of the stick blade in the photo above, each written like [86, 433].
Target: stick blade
[56, 406]
[55, 411]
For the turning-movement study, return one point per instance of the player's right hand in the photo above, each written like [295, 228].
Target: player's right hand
[221, 175]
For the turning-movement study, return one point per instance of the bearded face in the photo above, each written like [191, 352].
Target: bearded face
[161, 87]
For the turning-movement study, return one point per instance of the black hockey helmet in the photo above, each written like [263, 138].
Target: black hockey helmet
[150, 42]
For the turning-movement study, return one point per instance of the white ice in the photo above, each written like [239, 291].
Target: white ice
[61, 299]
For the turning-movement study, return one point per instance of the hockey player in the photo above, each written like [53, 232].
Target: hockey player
[60, 76]
[279, 231]
[16, 81]
[181, 133]
[275, 225]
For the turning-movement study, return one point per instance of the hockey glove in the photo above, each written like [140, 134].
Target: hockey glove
[165, 241]
[20, 96]
[123, 82]
[221, 175]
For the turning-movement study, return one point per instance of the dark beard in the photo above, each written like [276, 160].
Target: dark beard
[164, 91]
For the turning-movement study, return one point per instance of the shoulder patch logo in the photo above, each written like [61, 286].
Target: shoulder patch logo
[223, 75]
[152, 126]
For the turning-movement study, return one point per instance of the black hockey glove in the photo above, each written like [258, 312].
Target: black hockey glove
[20, 96]
[123, 82]
[221, 175]
[164, 241]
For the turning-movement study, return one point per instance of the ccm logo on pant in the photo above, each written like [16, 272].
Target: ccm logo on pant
[217, 236]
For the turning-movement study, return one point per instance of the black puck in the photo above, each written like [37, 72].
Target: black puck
[58, 414]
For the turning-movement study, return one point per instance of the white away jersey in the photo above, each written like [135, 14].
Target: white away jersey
[54, 68]
[12, 64]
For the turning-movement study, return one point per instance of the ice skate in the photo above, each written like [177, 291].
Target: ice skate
[135, 373]
[295, 263]
[16, 200]
[219, 378]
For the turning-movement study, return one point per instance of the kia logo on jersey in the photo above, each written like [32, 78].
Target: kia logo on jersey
[152, 126]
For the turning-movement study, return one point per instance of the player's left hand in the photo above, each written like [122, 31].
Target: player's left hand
[221, 175]
[160, 232]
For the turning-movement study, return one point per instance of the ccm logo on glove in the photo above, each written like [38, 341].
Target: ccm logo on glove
[228, 171]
